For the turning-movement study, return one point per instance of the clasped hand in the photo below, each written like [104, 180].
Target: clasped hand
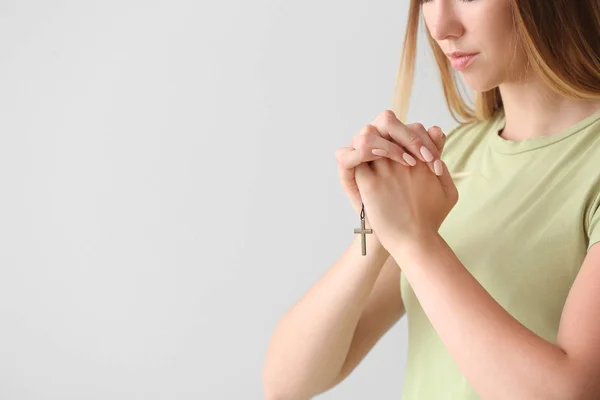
[404, 203]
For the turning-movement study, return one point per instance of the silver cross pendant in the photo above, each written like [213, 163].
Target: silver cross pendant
[362, 231]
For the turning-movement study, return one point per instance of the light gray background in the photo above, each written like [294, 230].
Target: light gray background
[169, 187]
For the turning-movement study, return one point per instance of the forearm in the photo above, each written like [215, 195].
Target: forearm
[310, 343]
[500, 357]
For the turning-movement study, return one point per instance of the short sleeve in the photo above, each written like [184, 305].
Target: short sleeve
[593, 230]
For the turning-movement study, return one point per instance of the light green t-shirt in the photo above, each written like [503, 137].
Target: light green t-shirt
[522, 229]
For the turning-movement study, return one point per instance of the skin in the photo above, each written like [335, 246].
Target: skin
[362, 292]
[485, 338]
[486, 27]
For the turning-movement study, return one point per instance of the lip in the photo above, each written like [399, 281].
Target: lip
[460, 60]
[455, 54]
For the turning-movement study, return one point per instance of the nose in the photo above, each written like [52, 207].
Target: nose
[442, 20]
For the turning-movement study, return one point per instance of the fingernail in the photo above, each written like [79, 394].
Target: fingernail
[379, 152]
[426, 154]
[407, 157]
[437, 166]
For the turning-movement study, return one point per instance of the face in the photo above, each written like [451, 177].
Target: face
[482, 27]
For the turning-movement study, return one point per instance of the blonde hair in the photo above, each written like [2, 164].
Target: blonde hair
[566, 59]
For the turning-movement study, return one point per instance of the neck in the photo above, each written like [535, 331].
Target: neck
[532, 110]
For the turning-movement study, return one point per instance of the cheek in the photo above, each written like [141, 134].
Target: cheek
[509, 54]
[491, 26]
[496, 40]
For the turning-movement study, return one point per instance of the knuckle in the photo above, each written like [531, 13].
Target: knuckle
[364, 140]
[371, 138]
[367, 129]
[387, 114]
[441, 135]
[414, 140]
[365, 134]
[418, 127]
[436, 133]
[388, 117]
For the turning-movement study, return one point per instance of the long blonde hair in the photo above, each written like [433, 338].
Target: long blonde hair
[567, 59]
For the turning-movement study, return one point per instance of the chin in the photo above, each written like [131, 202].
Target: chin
[480, 82]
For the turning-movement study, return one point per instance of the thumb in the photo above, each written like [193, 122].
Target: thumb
[362, 173]
[345, 168]
[448, 183]
[438, 137]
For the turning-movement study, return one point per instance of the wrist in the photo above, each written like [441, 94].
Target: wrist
[415, 247]
[372, 243]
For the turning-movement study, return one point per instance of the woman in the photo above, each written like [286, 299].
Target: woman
[500, 285]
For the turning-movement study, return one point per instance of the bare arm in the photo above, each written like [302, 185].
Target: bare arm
[384, 308]
[324, 336]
